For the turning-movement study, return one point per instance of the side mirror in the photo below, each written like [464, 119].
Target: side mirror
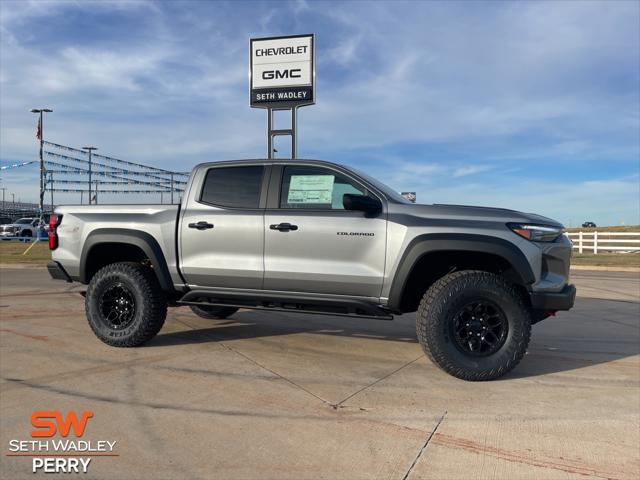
[369, 205]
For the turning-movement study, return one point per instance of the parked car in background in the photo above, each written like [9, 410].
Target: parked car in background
[23, 227]
[589, 225]
[5, 220]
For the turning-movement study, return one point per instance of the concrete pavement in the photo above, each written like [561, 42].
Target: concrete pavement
[269, 395]
[608, 285]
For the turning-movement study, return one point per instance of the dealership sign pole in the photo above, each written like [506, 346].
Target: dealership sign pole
[282, 77]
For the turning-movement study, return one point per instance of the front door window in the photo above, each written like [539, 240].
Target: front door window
[308, 187]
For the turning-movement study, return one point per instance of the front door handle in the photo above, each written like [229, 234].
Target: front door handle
[201, 225]
[283, 227]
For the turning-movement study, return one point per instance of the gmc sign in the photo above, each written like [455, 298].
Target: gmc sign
[271, 74]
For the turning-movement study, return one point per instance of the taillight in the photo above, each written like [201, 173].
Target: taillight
[54, 221]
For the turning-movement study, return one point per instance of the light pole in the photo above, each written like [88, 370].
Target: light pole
[51, 189]
[40, 136]
[90, 149]
[13, 198]
[3, 189]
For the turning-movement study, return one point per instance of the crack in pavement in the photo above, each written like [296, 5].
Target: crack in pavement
[339, 404]
[255, 362]
[237, 352]
[433, 432]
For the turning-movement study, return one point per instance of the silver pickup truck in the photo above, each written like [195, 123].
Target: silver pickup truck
[309, 236]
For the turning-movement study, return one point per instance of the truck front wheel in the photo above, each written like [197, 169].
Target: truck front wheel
[124, 303]
[474, 325]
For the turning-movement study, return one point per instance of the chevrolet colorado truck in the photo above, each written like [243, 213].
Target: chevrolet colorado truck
[310, 236]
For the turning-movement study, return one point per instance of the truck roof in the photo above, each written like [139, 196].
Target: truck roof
[266, 161]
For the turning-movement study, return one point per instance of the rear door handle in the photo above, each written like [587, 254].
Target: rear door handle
[283, 227]
[201, 225]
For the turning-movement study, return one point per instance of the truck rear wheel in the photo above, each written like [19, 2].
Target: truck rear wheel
[473, 325]
[212, 312]
[125, 305]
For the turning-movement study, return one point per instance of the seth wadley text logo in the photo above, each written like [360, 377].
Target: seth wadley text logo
[60, 455]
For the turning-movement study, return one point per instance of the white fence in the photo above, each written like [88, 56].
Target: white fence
[603, 241]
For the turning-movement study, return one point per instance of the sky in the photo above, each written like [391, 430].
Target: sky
[527, 105]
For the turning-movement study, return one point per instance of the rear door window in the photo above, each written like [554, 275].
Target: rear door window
[235, 187]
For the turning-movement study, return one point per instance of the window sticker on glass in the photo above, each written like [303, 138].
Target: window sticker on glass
[311, 189]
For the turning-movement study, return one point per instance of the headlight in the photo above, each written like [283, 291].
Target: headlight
[536, 233]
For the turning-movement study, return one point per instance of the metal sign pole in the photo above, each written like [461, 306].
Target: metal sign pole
[294, 126]
[271, 132]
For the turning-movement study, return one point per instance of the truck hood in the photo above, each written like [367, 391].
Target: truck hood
[470, 213]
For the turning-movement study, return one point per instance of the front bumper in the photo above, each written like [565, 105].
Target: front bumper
[553, 301]
[58, 272]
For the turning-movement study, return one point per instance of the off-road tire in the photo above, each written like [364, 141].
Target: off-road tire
[213, 313]
[150, 308]
[439, 306]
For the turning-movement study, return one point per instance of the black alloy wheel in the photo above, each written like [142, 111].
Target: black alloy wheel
[480, 328]
[117, 306]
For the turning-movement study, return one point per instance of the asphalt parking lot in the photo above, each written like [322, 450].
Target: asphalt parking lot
[270, 395]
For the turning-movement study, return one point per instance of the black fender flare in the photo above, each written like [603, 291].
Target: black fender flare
[435, 242]
[142, 240]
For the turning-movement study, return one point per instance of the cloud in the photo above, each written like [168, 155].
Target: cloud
[345, 52]
[470, 170]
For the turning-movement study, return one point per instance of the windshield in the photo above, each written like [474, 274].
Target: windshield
[388, 191]
[24, 221]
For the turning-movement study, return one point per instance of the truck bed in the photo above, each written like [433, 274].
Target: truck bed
[80, 221]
